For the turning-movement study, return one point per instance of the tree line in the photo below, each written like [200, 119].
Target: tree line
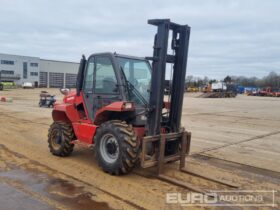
[271, 80]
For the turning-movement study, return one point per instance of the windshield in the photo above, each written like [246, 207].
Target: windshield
[138, 74]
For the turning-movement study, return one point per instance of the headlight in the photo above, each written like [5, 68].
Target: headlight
[143, 117]
[128, 105]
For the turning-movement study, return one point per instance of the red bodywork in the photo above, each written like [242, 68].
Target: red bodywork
[269, 92]
[276, 93]
[73, 110]
[83, 126]
[265, 92]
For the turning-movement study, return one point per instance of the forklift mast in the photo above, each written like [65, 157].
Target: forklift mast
[179, 44]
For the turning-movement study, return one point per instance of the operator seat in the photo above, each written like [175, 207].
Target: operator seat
[109, 85]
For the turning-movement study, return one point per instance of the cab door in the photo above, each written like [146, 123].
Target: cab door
[88, 87]
[105, 90]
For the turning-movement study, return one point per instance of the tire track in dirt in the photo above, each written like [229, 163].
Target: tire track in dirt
[237, 142]
[144, 192]
[17, 160]
[140, 191]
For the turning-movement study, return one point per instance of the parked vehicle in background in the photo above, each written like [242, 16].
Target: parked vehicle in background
[7, 85]
[27, 85]
[192, 89]
[207, 89]
[251, 90]
[240, 89]
[265, 92]
[231, 90]
[276, 92]
[219, 90]
[272, 92]
[219, 87]
[46, 99]
[253, 93]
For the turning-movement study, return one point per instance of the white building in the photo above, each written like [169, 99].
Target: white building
[41, 72]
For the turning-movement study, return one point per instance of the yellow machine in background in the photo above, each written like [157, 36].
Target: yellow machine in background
[207, 89]
[192, 89]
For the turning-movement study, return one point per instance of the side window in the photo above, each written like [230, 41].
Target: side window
[88, 83]
[105, 78]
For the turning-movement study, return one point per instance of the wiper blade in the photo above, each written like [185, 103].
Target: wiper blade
[137, 93]
[132, 88]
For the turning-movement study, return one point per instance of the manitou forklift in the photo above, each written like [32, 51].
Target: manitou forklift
[120, 109]
[119, 106]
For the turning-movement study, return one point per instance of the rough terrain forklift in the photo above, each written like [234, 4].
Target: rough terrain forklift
[119, 106]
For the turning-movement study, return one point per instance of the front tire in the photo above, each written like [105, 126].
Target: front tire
[59, 138]
[116, 146]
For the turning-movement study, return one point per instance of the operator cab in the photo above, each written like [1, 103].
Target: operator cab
[105, 78]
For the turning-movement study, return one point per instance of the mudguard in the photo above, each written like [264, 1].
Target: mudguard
[106, 112]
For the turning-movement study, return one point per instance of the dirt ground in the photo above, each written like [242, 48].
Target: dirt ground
[236, 140]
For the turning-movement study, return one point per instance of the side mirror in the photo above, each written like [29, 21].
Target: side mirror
[64, 91]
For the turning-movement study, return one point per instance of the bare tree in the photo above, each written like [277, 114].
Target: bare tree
[271, 80]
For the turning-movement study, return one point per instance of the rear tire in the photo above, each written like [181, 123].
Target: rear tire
[116, 147]
[60, 136]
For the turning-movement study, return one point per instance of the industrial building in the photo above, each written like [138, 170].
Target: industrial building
[41, 72]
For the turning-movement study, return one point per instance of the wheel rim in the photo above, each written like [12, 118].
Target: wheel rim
[56, 139]
[109, 148]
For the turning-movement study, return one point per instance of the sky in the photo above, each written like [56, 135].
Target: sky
[228, 37]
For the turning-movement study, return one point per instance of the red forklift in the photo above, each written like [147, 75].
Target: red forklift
[118, 108]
